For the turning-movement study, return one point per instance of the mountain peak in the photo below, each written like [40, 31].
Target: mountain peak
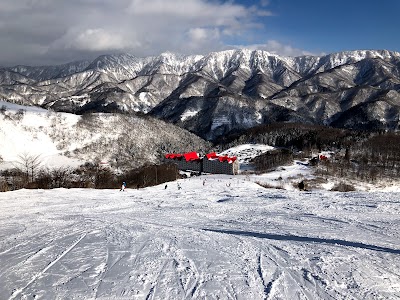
[224, 91]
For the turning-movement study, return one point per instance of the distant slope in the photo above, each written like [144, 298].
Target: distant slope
[66, 139]
[246, 152]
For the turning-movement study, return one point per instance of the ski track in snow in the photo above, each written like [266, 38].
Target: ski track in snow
[19, 291]
[212, 241]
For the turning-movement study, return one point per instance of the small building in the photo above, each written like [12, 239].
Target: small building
[217, 164]
[186, 162]
[210, 163]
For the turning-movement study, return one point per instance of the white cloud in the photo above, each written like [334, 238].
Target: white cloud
[177, 25]
[97, 39]
[46, 31]
[203, 39]
[201, 11]
[198, 34]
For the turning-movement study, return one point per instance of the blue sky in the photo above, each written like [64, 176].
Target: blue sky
[331, 26]
[42, 32]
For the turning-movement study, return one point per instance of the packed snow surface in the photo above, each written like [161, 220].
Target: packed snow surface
[215, 237]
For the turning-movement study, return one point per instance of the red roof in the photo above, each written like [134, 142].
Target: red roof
[221, 158]
[191, 156]
[173, 155]
[232, 159]
[212, 155]
[227, 158]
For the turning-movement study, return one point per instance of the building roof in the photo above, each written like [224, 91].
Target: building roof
[194, 156]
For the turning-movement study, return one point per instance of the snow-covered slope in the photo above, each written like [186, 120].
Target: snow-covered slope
[247, 152]
[227, 239]
[63, 139]
[27, 131]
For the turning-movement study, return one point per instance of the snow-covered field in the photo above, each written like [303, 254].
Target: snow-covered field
[227, 239]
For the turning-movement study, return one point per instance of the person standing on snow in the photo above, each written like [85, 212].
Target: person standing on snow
[123, 186]
[301, 185]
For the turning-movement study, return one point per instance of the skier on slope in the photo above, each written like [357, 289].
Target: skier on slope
[301, 186]
[123, 186]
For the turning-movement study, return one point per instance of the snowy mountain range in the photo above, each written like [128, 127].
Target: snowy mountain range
[221, 92]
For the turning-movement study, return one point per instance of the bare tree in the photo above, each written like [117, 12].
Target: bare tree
[29, 165]
[60, 176]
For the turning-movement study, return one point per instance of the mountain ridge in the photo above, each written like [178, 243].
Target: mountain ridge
[214, 94]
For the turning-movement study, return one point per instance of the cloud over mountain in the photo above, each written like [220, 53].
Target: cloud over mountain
[48, 32]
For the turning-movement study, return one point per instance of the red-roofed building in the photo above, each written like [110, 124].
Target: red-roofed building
[210, 163]
[217, 164]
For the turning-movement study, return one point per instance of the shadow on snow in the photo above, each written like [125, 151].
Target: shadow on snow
[278, 237]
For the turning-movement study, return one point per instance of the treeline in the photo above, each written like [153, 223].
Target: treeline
[89, 175]
[270, 160]
[298, 136]
[377, 157]
[362, 155]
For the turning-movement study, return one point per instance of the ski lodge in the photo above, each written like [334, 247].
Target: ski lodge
[210, 163]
